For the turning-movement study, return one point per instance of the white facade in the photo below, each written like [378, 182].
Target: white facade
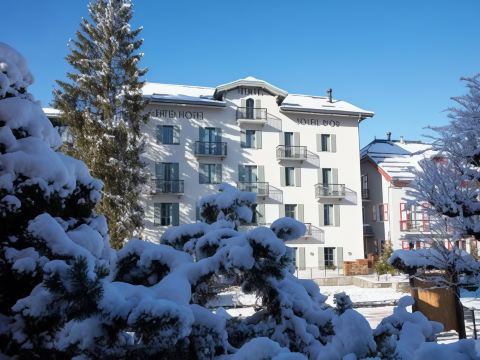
[262, 139]
[387, 171]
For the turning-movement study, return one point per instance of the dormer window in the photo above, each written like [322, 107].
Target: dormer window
[250, 105]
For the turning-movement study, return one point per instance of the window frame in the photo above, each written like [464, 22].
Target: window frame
[325, 143]
[328, 216]
[289, 176]
[291, 208]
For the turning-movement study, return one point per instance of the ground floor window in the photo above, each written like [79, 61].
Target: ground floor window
[166, 214]
[328, 256]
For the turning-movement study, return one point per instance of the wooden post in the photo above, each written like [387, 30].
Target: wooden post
[459, 312]
[474, 324]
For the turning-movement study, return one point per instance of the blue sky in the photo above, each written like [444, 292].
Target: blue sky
[401, 59]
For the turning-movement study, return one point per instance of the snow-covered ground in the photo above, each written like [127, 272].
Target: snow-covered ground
[358, 294]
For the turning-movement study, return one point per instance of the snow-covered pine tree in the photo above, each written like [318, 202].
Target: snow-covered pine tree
[448, 183]
[103, 107]
[54, 248]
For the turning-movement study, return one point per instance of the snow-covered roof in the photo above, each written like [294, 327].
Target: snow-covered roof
[321, 104]
[397, 158]
[181, 94]
[208, 96]
[250, 81]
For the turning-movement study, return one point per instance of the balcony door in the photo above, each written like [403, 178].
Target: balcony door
[249, 109]
[166, 175]
[288, 141]
[210, 138]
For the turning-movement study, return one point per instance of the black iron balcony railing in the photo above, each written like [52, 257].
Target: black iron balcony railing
[329, 190]
[365, 194]
[415, 225]
[205, 148]
[259, 188]
[291, 152]
[314, 232]
[245, 113]
[160, 186]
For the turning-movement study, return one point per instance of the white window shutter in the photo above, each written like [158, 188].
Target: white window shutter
[260, 213]
[333, 143]
[301, 258]
[281, 140]
[319, 142]
[336, 214]
[175, 214]
[218, 173]
[334, 176]
[281, 210]
[258, 139]
[243, 138]
[339, 257]
[243, 104]
[300, 213]
[321, 219]
[176, 134]
[241, 173]
[296, 139]
[258, 110]
[282, 176]
[159, 134]
[298, 176]
[261, 173]
[321, 258]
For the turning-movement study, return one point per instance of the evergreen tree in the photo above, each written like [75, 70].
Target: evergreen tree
[382, 266]
[103, 107]
[54, 248]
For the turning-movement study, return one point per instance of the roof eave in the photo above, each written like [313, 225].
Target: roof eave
[361, 115]
[209, 103]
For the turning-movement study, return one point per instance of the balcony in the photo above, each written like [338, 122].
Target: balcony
[251, 116]
[259, 188]
[289, 152]
[160, 186]
[365, 194]
[210, 149]
[415, 225]
[314, 233]
[336, 191]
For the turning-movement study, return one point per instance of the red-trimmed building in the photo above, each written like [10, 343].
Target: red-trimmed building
[387, 171]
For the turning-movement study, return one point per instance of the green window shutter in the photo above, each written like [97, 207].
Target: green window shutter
[176, 134]
[301, 258]
[261, 173]
[282, 176]
[281, 210]
[243, 138]
[296, 139]
[334, 176]
[321, 258]
[156, 213]
[258, 139]
[258, 111]
[281, 140]
[300, 213]
[175, 214]
[321, 219]
[241, 173]
[218, 173]
[319, 142]
[160, 134]
[298, 176]
[333, 143]
[336, 214]
[339, 257]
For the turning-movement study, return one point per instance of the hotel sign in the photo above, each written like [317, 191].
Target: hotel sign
[180, 114]
[317, 122]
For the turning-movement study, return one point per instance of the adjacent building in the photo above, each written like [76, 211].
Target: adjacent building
[298, 153]
[387, 168]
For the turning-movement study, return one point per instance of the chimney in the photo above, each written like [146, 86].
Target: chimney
[329, 93]
[389, 136]
[402, 141]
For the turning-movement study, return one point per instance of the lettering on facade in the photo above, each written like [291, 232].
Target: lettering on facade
[250, 91]
[317, 122]
[181, 114]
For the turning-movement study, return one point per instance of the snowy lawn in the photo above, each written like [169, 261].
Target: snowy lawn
[384, 278]
[358, 294]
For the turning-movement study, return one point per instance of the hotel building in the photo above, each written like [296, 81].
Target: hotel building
[298, 153]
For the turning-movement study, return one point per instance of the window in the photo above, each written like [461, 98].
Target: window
[380, 212]
[290, 210]
[364, 180]
[364, 218]
[326, 176]
[289, 176]
[168, 134]
[250, 139]
[328, 214]
[326, 142]
[166, 214]
[328, 256]
[210, 173]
